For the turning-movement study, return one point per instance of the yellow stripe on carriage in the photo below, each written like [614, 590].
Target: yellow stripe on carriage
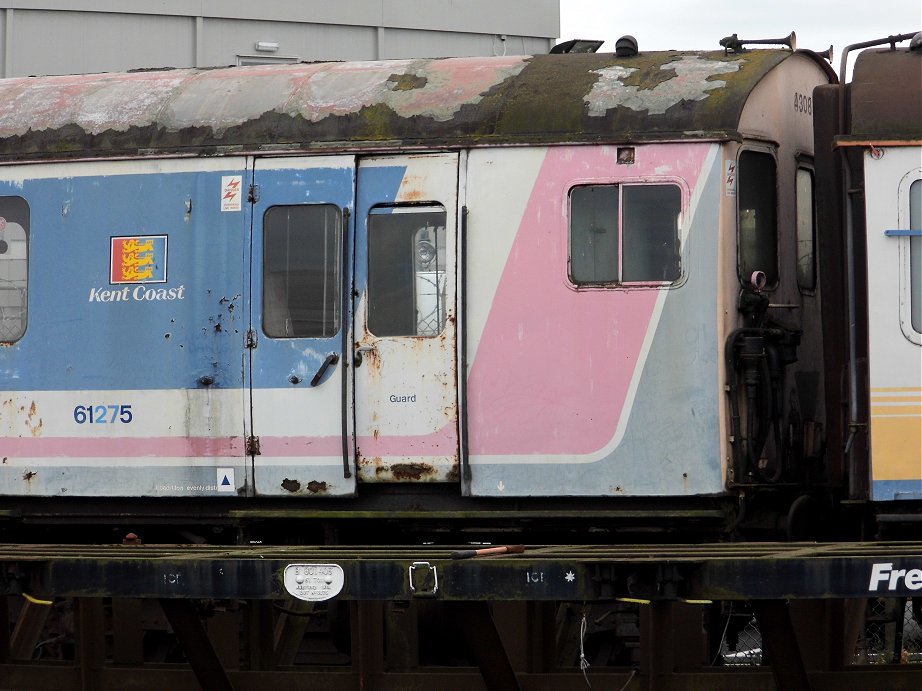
[896, 410]
[896, 447]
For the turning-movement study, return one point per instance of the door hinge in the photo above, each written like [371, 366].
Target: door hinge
[253, 194]
[251, 338]
[252, 446]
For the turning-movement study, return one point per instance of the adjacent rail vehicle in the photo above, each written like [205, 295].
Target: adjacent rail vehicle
[569, 296]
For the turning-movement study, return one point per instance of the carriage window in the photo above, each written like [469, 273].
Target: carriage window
[757, 227]
[301, 271]
[406, 271]
[806, 259]
[14, 267]
[625, 234]
[915, 256]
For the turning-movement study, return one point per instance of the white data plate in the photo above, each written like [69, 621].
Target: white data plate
[314, 582]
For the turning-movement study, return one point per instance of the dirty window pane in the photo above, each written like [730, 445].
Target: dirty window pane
[806, 262]
[14, 267]
[406, 271]
[594, 234]
[915, 255]
[301, 271]
[651, 233]
[625, 233]
[757, 226]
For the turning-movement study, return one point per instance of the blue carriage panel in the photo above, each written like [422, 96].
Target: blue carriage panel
[135, 283]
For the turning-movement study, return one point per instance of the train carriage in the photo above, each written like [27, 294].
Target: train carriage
[352, 316]
[521, 277]
[870, 209]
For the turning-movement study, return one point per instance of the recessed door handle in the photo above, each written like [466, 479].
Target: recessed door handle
[358, 353]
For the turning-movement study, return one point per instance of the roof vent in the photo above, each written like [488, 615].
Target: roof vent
[626, 46]
[577, 45]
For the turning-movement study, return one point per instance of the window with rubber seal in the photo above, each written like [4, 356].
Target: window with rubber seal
[915, 256]
[302, 271]
[407, 279]
[757, 225]
[625, 234]
[14, 268]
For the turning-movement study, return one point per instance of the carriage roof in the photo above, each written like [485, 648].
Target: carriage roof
[886, 95]
[448, 102]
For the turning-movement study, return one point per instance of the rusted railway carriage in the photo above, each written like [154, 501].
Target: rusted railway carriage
[566, 298]
[459, 293]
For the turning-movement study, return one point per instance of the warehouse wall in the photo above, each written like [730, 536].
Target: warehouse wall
[40, 38]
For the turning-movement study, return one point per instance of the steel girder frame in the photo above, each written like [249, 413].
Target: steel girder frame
[502, 608]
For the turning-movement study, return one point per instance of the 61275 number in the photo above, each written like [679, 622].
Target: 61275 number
[102, 414]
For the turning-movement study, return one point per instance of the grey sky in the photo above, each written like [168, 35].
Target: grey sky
[689, 25]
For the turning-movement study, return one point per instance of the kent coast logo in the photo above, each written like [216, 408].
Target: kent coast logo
[137, 260]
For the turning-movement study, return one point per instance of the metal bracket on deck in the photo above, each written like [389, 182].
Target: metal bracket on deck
[425, 580]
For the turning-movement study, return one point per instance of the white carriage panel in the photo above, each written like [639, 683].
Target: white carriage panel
[406, 401]
[895, 353]
[566, 375]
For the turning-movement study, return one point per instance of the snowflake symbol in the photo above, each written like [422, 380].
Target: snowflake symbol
[570, 577]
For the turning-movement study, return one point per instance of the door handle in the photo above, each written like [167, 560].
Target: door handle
[358, 354]
[332, 359]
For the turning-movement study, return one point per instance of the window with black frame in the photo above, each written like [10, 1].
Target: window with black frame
[625, 234]
[757, 226]
[14, 267]
[302, 271]
[806, 233]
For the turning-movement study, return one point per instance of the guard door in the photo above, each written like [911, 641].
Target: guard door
[406, 399]
[300, 321]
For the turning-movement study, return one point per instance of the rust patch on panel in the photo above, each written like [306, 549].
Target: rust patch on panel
[407, 471]
[367, 462]
[315, 487]
[35, 425]
[291, 485]
[28, 475]
[370, 358]
[412, 189]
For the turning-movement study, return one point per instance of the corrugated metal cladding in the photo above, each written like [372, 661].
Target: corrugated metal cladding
[112, 35]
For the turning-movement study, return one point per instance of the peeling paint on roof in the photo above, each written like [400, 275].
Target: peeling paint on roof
[692, 82]
[444, 86]
[110, 102]
[451, 102]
